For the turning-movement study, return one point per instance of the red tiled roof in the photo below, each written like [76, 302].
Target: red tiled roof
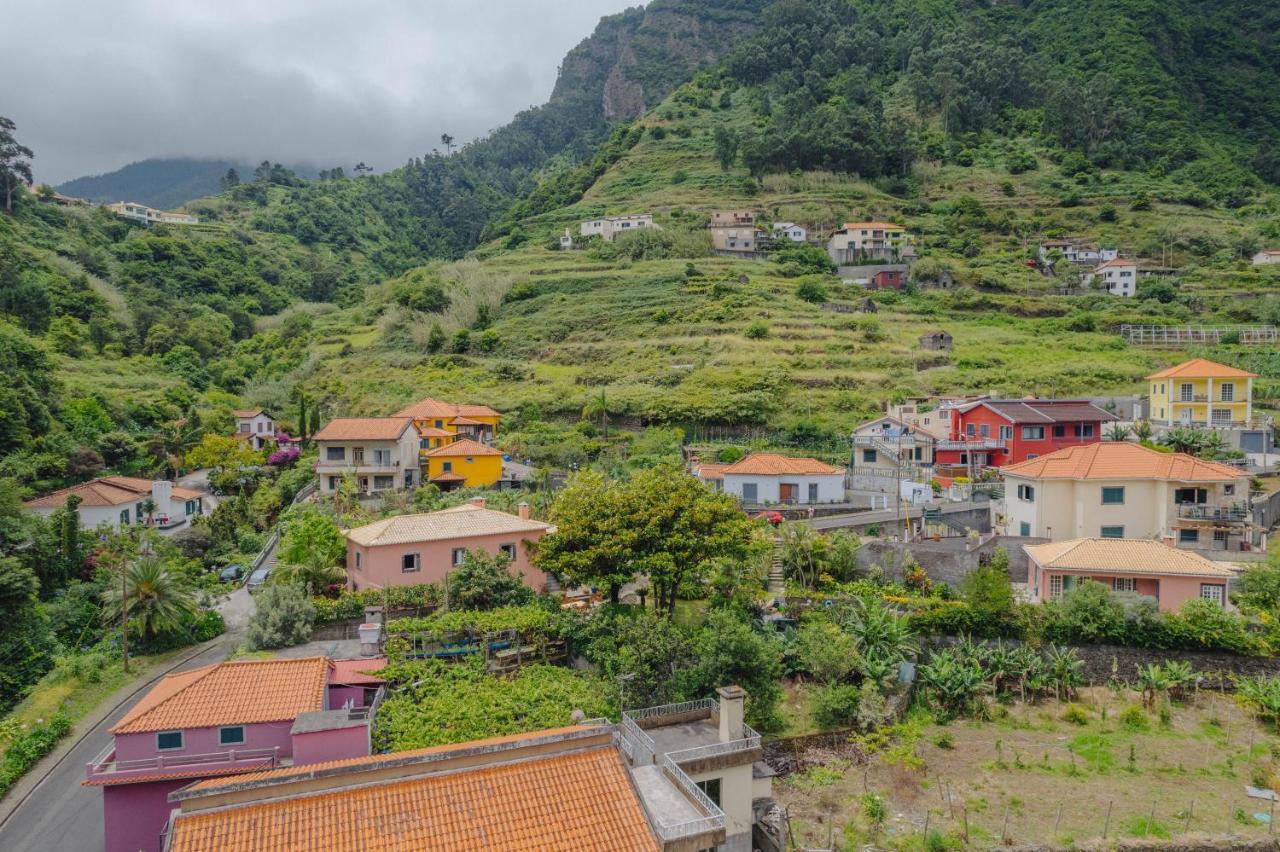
[1124, 556]
[1119, 261]
[1202, 368]
[107, 491]
[711, 471]
[773, 464]
[356, 672]
[433, 432]
[464, 447]
[851, 226]
[242, 767]
[249, 412]
[1122, 460]
[1044, 410]
[427, 409]
[363, 429]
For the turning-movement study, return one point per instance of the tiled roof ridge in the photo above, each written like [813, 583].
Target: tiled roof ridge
[464, 447]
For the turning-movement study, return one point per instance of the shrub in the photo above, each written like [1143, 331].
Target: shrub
[945, 741]
[26, 747]
[756, 330]
[483, 581]
[1133, 718]
[729, 455]
[834, 705]
[283, 617]
[349, 604]
[1107, 213]
[1076, 715]
[812, 289]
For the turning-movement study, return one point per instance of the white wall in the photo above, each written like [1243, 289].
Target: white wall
[830, 486]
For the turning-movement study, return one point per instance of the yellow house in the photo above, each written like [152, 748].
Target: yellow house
[440, 423]
[462, 463]
[1201, 393]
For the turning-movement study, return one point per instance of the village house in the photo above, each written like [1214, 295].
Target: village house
[609, 227]
[931, 414]
[231, 718]
[1141, 566]
[1266, 257]
[256, 426]
[765, 478]
[790, 231]
[732, 219]
[1201, 393]
[890, 457]
[439, 423]
[998, 432]
[667, 779]
[1118, 489]
[463, 463]
[118, 501]
[566, 240]
[1118, 276]
[710, 474]
[381, 453]
[1076, 251]
[858, 242]
[408, 550]
[936, 341]
[135, 212]
[885, 276]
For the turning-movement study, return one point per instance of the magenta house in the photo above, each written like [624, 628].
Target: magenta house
[227, 719]
[411, 549]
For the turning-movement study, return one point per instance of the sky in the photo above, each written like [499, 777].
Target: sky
[95, 85]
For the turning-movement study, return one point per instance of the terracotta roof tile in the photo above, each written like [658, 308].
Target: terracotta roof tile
[1044, 410]
[711, 471]
[1123, 555]
[204, 771]
[249, 412]
[1119, 261]
[1122, 460]
[1202, 368]
[107, 491]
[850, 226]
[581, 801]
[426, 409]
[771, 464]
[363, 429]
[433, 432]
[465, 521]
[232, 693]
[464, 447]
[448, 476]
[356, 672]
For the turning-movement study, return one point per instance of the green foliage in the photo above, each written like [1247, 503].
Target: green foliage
[24, 748]
[155, 600]
[825, 651]
[835, 705]
[989, 592]
[311, 548]
[1259, 589]
[812, 289]
[641, 646]
[528, 620]
[728, 650]
[283, 617]
[349, 604]
[485, 581]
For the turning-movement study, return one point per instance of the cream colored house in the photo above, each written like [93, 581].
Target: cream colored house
[861, 241]
[381, 453]
[1266, 257]
[1201, 393]
[610, 227]
[135, 212]
[931, 414]
[1123, 490]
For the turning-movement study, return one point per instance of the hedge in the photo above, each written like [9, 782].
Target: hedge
[350, 605]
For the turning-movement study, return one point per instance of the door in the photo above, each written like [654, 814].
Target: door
[787, 492]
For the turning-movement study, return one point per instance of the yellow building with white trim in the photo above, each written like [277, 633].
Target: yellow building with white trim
[1200, 394]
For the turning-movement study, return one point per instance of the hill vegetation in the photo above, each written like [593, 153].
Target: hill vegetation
[163, 183]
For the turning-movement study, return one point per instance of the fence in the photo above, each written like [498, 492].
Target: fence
[1168, 335]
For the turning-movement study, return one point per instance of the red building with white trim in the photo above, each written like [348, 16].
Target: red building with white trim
[995, 432]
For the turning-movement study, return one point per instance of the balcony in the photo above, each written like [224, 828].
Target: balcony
[964, 445]
[105, 769]
[1237, 514]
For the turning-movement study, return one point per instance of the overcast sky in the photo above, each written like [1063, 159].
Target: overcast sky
[94, 85]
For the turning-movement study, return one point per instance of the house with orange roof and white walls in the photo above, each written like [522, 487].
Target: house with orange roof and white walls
[1201, 394]
[440, 422]
[1117, 489]
[1119, 277]
[231, 718]
[408, 550]
[120, 501]
[858, 242]
[381, 453]
[255, 425]
[769, 478]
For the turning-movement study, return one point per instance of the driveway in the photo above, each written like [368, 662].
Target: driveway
[60, 815]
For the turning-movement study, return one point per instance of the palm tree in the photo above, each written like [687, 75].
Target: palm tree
[598, 407]
[314, 576]
[154, 598]
[1183, 440]
[802, 552]
[1142, 430]
[1212, 445]
[169, 444]
[1118, 432]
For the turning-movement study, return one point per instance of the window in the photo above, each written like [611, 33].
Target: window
[382, 457]
[333, 483]
[509, 551]
[358, 555]
[1113, 495]
[1212, 592]
[749, 492]
[1024, 529]
[1033, 433]
[1186, 392]
[1228, 490]
[439, 424]
[985, 430]
[1124, 584]
[869, 456]
[1027, 493]
[459, 554]
[424, 444]
[1219, 535]
[357, 455]
[1084, 430]
[1113, 532]
[382, 483]
[124, 516]
[1190, 496]
[445, 467]
[1006, 432]
[1055, 586]
[1059, 431]
[1228, 392]
[1188, 536]
[168, 740]
[411, 562]
[470, 459]
[191, 507]
[712, 788]
[231, 736]
[813, 492]
[335, 453]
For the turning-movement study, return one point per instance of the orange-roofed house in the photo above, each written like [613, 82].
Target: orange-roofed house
[407, 550]
[228, 719]
[381, 453]
[859, 242]
[1116, 489]
[440, 423]
[768, 478]
[1200, 393]
[463, 463]
[118, 501]
[255, 425]
[1152, 568]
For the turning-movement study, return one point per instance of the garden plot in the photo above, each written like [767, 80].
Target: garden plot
[1053, 772]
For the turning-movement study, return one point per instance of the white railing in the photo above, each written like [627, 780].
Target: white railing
[640, 746]
[714, 819]
[750, 740]
[671, 709]
[104, 765]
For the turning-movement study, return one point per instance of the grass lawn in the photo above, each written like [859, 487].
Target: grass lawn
[80, 693]
[1031, 776]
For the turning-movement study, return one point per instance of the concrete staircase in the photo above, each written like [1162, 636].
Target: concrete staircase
[777, 576]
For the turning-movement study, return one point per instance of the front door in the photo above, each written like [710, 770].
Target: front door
[787, 492]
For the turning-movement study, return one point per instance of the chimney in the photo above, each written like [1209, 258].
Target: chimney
[732, 699]
[477, 502]
[523, 511]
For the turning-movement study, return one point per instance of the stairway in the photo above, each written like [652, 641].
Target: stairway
[777, 576]
[553, 584]
[936, 517]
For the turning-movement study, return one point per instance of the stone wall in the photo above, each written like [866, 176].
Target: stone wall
[946, 561]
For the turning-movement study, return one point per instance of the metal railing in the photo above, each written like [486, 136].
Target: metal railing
[671, 709]
[105, 765]
[713, 821]
[1213, 513]
[640, 746]
[974, 444]
[750, 740]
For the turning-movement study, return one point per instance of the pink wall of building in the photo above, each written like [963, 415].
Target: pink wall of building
[337, 744]
[339, 695]
[205, 741]
[134, 815]
[381, 565]
[1170, 591]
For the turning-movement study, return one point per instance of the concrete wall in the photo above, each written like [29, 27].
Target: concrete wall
[381, 566]
[948, 561]
[736, 793]
[336, 744]
[134, 815]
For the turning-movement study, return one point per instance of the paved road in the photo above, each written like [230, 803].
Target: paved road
[60, 815]
[881, 516]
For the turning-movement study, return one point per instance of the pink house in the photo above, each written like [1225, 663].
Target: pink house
[1171, 575]
[227, 719]
[412, 549]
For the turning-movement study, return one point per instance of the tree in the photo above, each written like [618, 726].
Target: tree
[726, 141]
[223, 452]
[593, 542]
[283, 617]
[155, 601]
[230, 180]
[729, 651]
[361, 169]
[169, 444]
[1260, 586]
[825, 651]
[1118, 432]
[311, 548]
[447, 141]
[485, 581]
[71, 548]
[15, 162]
[989, 591]
[26, 644]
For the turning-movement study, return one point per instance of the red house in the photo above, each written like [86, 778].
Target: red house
[995, 432]
[889, 279]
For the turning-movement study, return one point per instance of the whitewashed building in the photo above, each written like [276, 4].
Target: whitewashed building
[1118, 277]
[790, 231]
[765, 478]
[256, 426]
[609, 227]
[119, 501]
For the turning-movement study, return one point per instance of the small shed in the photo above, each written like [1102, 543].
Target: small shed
[936, 341]
[867, 306]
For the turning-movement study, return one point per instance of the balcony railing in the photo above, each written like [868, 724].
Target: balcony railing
[714, 819]
[106, 766]
[972, 444]
[1233, 514]
[750, 740]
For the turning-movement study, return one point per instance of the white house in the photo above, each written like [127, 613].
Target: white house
[608, 227]
[256, 426]
[790, 231]
[123, 500]
[1266, 257]
[769, 478]
[380, 452]
[1077, 251]
[135, 212]
[566, 240]
[1119, 276]
[858, 242]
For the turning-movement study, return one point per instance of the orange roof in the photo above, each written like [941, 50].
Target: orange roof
[1202, 368]
[110, 779]
[427, 409]
[850, 226]
[363, 429]
[232, 693]
[433, 432]
[448, 476]
[249, 412]
[575, 800]
[772, 464]
[1122, 460]
[107, 491]
[711, 471]
[1123, 556]
[355, 672]
[467, 421]
[464, 447]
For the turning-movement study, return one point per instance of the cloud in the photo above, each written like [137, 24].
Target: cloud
[93, 86]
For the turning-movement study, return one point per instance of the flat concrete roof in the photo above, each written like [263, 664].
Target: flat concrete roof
[669, 738]
[327, 720]
[663, 800]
